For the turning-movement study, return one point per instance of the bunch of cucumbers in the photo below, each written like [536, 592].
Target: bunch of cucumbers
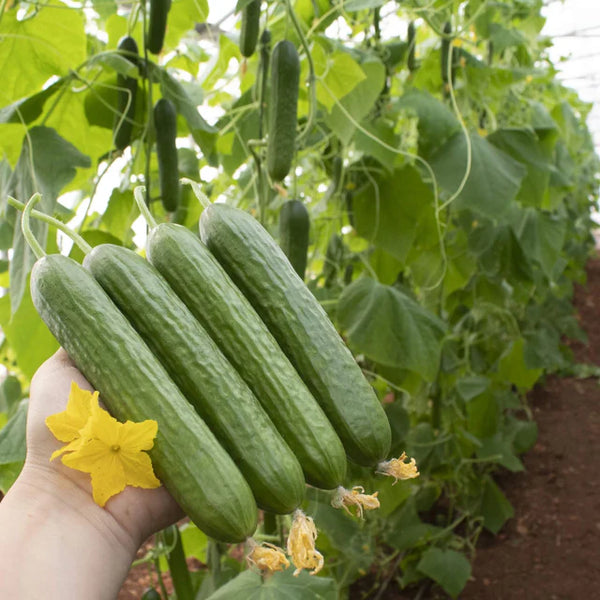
[219, 340]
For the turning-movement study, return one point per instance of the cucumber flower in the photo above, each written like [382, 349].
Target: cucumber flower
[398, 469]
[301, 544]
[267, 557]
[66, 426]
[112, 453]
[345, 499]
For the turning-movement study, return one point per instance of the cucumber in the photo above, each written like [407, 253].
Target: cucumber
[186, 456]
[165, 124]
[249, 28]
[203, 374]
[126, 96]
[283, 109]
[157, 25]
[198, 279]
[302, 329]
[294, 227]
[411, 61]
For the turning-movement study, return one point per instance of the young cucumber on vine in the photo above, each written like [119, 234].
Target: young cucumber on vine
[282, 109]
[165, 125]
[186, 456]
[249, 28]
[210, 295]
[301, 327]
[126, 97]
[294, 228]
[157, 25]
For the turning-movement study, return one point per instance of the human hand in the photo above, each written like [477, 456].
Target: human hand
[53, 505]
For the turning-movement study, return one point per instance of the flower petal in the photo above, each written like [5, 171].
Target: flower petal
[138, 471]
[138, 436]
[65, 426]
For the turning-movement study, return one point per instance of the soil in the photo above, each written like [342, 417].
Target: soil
[550, 550]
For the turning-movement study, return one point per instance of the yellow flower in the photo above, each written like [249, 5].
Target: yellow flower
[113, 454]
[66, 426]
[267, 557]
[355, 497]
[301, 544]
[398, 469]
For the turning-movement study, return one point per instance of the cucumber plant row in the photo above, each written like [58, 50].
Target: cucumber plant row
[249, 408]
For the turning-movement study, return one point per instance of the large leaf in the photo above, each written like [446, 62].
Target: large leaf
[389, 327]
[47, 163]
[494, 177]
[251, 586]
[449, 568]
[495, 507]
[356, 104]
[26, 110]
[337, 75]
[393, 213]
[12, 437]
[436, 121]
[35, 49]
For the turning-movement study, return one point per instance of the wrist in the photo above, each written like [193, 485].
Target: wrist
[54, 539]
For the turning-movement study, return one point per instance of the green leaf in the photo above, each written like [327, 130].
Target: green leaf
[393, 213]
[494, 177]
[495, 507]
[26, 110]
[34, 49]
[26, 334]
[470, 387]
[183, 15]
[437, 122]
[355, 5]
[523, 145]
[94, 237]
[390, 328]
[47, 163]
[12, 437]
[119, 215]
[499, 449]
[450, 569]
[513, 368]
[337, 75]
[250, 586]
[405, 529]
[9, 474]
[358, 103]
[10, 393]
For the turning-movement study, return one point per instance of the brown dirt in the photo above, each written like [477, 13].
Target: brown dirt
[550, 550]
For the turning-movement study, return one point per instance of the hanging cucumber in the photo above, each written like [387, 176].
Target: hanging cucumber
[249, 28]
[411, 61]
[294, 227]
[126, 96]
[283, 109]
[165, 124]
[301, 327]
[157, 25]
[201, 371]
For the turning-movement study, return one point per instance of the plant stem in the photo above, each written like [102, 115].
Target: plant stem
[138, 194]
[202, 197]
[40, 216]
[25, 226]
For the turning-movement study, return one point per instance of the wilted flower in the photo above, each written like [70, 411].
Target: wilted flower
[267, 557]
[398, 469]
[301, 545]
[355, 497]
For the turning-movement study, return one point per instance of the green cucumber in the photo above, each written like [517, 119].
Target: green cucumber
[165, 124]
[283, 109]
[198, 279]
[294, 227]
[249, 28]
[201, 371]
[411, 61]
[186, 456]
[157, 25]
[301, 327]
[126, 96]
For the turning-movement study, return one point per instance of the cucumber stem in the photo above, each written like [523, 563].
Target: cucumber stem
[202, 197]
[25, 226]
[138, 194]
[40, 216]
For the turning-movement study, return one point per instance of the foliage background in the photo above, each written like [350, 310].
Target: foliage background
[448, 224]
